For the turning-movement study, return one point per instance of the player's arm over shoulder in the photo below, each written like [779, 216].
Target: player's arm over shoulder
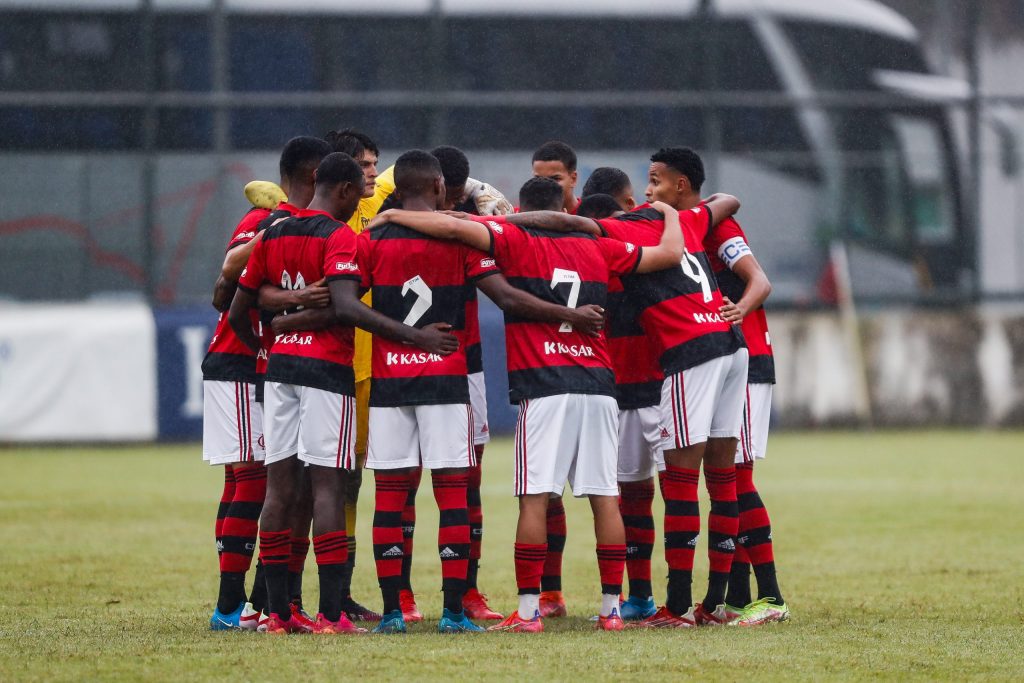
[442, 226]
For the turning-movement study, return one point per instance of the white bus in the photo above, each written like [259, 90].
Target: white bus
[761, 87]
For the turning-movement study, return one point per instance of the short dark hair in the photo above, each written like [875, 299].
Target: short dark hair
[685, 161]
[598, 206]
[301, 152]
[338, 167]
[415, 171]
[454, 165]
[540, 194]
[606, 180]
[556, 151]
[352, 142]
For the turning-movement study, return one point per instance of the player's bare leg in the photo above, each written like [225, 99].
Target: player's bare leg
[611, 558]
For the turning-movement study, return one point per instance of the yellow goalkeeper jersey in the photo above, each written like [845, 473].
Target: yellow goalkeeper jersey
[368, 208]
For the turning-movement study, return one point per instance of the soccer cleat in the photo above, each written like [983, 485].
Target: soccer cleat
[407, 601]
[457, 623]
[300, 615]
[612, 622]
[356, 612]
[552, 604]
[719, 617]
[392, 622]
[250, 618]
[342, 625]
[516, 624]
[230, 621]
[474, 604]
[665, 619]
[264, 194]
[636, 609]
[763, 611]
[274, 624]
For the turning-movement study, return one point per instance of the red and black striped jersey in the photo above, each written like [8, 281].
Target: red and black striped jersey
[634, 354]
[679, 306]
[265, 332]
[571, 269]
[298, 251]
[228, 359]
[726, 244]
[419, 281]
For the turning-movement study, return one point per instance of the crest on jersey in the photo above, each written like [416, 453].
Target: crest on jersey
[630, 248]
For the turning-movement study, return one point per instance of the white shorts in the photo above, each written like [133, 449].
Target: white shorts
[318, 425]
[705, 401]
[431, 436]
[757, 413]
[570, 437]
[232, 423]
[478, 399]
[639, 443]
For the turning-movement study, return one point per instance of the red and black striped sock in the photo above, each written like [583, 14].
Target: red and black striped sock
[239, 531]
[738, 594]
[331, 550]
[389, 500]
[682, 527]
[275, 549]
[635, 503]
[409, 525]
[476, 518]
[723, 524]
[296, 565]
[755, 533]
[529, 560]
[551, 580]
[611, 563]
[452, 536]
[226, 494]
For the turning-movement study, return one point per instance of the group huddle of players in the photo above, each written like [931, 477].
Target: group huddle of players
[637, 347]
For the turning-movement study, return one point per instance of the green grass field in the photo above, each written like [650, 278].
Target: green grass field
[900, 556]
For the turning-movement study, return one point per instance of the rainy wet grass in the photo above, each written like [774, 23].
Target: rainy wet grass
[899, 554]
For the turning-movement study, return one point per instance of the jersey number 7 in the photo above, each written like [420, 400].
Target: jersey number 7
[424, 299]
[560, 277]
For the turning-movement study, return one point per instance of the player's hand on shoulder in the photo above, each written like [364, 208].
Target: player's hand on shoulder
[730, 312]
[461, 215]
[588, 319]
[437, 338]
[662, 207]
[381, 218]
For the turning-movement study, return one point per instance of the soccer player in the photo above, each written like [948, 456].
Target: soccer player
[232, 414]
[745, 287]
[613, 182]
[638, 381]
[557, 161]
[309, 393]
[562, 381]
[704, 361]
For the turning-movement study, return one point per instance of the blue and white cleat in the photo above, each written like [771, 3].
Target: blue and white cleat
[392, 622]
[637, 609]
[231, 621]
[452, 622]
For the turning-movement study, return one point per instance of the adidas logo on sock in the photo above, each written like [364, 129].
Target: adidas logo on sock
[448, 554]
[220, 546]
[693, 543]
[408, 530]
[393, 551]
[743, 539]
[727, 544]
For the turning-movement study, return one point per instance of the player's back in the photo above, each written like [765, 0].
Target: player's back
[680, 305]
[292, 255]
[569, 269]
[418, 281]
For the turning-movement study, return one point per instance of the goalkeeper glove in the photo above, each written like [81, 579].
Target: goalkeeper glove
[487, 200]
[264, 194]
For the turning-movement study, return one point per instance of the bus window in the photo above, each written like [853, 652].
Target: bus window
[930, 203]
[263, 128]
[183, 53]
[272, 54]
[68, 129]
[393, 54]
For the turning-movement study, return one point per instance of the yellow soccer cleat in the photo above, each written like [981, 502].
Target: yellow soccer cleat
[264, 194]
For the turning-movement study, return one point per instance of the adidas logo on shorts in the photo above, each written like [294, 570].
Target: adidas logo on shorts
[393, 551]
[448, 554]
[664, 433]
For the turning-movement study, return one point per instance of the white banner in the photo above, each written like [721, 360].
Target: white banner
[77, 372]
